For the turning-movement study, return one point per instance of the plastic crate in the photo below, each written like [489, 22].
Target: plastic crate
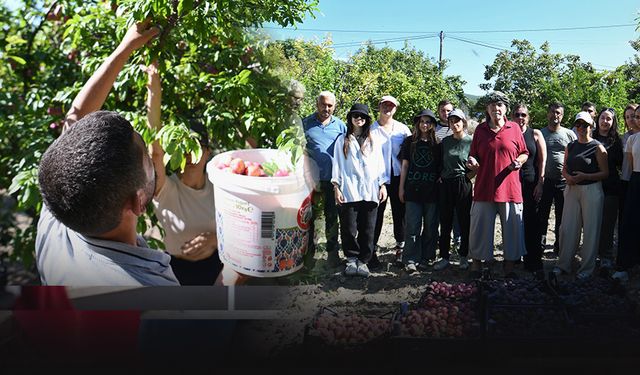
[318, 341]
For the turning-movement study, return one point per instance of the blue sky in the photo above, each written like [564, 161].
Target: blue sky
[606, 48]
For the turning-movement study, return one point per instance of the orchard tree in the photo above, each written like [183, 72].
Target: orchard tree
[409, 75]
[212, 65]
[539, 78]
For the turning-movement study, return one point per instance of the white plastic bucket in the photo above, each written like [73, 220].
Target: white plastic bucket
[262, 222]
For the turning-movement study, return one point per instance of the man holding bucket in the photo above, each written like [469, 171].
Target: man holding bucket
[321, 129]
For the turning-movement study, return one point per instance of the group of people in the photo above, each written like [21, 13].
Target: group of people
[98, 178]
[518, 173]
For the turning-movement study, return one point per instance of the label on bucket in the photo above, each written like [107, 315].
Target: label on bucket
[264, 241]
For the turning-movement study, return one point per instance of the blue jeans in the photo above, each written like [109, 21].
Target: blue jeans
[422, 232]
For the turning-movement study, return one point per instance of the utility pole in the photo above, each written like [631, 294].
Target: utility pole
[440, 59]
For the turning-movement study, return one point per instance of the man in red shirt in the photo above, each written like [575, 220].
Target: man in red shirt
[497, 152]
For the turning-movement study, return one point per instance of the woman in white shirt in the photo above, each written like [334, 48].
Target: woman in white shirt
[359, 178]
[390, 133]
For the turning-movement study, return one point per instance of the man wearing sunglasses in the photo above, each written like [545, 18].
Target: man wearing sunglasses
[556, 139]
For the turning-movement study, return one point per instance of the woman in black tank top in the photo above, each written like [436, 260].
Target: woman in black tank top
[532, 176]
[585, 166]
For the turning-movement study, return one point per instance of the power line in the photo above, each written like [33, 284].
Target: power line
[380, 41]
[454, 32]
[479, 43]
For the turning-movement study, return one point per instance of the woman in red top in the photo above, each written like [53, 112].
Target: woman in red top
[497, 152]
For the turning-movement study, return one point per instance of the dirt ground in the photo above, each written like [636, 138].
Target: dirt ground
[376, 295]
[321, 287]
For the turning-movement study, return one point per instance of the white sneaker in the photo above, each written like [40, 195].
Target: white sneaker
[464, 263]
[352, 267]
[441, 264]
[620, 275]
[362, 269]
[411, 268]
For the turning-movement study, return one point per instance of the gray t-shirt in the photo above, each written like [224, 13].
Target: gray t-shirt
[556, 142]
[65, 257]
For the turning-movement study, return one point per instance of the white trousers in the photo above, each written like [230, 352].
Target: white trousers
[483, 221]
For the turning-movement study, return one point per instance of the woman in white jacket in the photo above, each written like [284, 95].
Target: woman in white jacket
[358, 178]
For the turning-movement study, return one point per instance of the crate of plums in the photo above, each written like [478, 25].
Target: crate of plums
[519, 292]
[527, 323]
[600, 310]
[444, 311]
[346, 332]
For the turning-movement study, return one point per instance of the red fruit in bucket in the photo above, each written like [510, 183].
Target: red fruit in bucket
[237, 166]
[255, 170]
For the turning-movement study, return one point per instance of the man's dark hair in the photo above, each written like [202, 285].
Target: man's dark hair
[444, 102]
[555, 105]
[587, 104]
[88, 173]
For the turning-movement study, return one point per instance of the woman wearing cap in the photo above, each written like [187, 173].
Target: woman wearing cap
[629, 249]
[497, 152]
[455, 189]
[532, 176]
[418, 190]
[358, 177]
[390, 134]
[585, 166]
[607, 133]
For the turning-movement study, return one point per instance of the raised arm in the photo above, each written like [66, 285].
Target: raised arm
[154, 121]
[94, 92]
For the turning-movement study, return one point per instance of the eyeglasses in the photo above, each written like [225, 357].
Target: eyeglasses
[522, 115]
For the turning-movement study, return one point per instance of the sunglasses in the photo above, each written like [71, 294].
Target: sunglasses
[522, 115]
[610, 110]
[357, 116]
[582, 124]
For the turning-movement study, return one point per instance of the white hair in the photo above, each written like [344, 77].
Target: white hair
[326, 94]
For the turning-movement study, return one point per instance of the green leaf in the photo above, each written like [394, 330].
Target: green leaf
[184, 6]
[17, 59]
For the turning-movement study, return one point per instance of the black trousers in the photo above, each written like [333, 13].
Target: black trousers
[397, 212]
[326, 199]
[455, 197]
[202, 272]
[357, 223]
[531, 223]
[629, 249]
[552, 192]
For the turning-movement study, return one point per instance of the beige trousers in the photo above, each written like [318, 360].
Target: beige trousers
[582, 212]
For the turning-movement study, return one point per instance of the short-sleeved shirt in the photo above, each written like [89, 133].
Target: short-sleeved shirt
[391, 143]
[626, 168]
[184, 212]
[442, 131]
[495, 182]
[556, 142]
[455, 153]
[633, 146]
[425, 163]
[65, 257]
[321, 140]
